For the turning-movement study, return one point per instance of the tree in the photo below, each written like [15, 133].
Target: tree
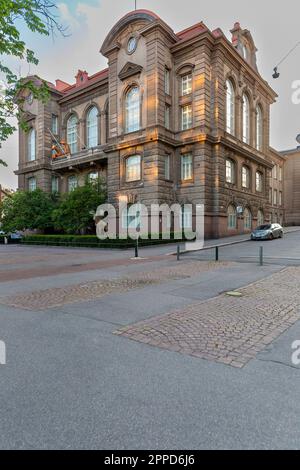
[39, 17]
[75, 212]
[27, 210]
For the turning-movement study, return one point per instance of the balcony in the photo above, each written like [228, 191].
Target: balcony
[79, 159]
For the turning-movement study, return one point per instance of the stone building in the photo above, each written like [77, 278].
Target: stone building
[292, 186]
[4, 193]
[176, 117]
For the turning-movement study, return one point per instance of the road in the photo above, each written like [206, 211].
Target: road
[79, 373]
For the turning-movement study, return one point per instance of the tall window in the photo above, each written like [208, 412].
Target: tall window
[167, 167]
[31, 145]
[275, 172]
[186, 117]
[133, 168]
[231, 217]
[275, 197]
[230, 171]
[259, 182]
[167, 116]
[280, 173]
[92, 127]
[246, 119]
[247, 219]
[72, 183]
[245, 177]
[132, 109]
[280, 198]
[186, 167]
[230, 108]
[72, 136]
[186, 218]
[259, 128]
[32, 184]
[55, 184]
[260, 218]
[54, 124]
[167, 81]
[186, 84]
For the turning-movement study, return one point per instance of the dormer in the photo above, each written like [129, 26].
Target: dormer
[81, 77]
[243, 42]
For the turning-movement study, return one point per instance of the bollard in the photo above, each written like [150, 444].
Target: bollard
[261, 256]
[178, 252]
[137, 248]
[217, 253]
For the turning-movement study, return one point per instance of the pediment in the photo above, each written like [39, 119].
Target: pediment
[129, 70]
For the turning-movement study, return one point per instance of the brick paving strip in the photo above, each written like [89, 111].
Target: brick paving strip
[226, 329]
[56, 297]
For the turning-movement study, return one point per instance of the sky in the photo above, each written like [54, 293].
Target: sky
[275, 31]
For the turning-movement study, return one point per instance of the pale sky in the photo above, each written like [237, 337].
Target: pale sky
[274, 26]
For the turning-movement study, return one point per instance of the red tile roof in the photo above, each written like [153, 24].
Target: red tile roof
[192, 31]
[67, 89]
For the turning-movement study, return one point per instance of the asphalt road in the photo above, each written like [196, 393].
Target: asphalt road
[69, 383]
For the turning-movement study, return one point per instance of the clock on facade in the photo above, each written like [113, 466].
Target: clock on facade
[132, 45]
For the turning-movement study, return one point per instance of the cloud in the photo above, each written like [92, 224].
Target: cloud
[67, 17]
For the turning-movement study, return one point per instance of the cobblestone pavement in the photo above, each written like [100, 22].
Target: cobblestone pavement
[55, 297]
[227, 329]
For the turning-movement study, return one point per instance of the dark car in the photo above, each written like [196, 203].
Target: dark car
[267, 232]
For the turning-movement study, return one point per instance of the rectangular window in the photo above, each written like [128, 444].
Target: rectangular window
[32, 184]
[167, 167]
[280, 173]
[186, 117]
[55, 184]
[54, 124]
[270, 196]
[230, 171]
[186, 167]
[167, 116]
[245, 177]
[167, 81]
[280, 198]
[275, 197]
[72, 183]
[259, 182]
[275, 172]
[133, 168]
[186, 85]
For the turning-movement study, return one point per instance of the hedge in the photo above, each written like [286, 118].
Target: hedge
[9, 240]
[90, 241]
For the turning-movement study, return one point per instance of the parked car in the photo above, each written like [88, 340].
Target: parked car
[267, 232]
[16, 235]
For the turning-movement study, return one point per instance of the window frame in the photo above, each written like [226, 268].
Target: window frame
[231, 217]
[74, 177]
[259, 179]
[132, 110]
[186, 117]
[230, 107]
[247, 219]
[128, 169]
[56, 178]
[92, 126]
[259, 129]
[167, 81]
[187, 169]
[29, 181]
[72, 133]
[31, 145]
[246, 175]
[187, 84]
[246, 119]
[232, 168]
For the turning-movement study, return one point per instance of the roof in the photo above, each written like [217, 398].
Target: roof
[192, 31]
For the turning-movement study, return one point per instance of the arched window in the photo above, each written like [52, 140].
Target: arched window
[230, 107]
[260, 218]
[246, 119]
[259, 128]
[92, 127]
[72, 136]
[31, 145]
[132, 110]
[230, 171]
[232, 218]
[72, 183]
[245, 177]
[247, 219]
[133, 168]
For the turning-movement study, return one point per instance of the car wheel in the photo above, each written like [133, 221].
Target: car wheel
[271, 237]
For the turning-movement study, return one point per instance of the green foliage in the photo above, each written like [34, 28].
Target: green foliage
[39, 17]
[76, 209]
[27, 210]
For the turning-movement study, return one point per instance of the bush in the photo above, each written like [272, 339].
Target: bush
[89, 241]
